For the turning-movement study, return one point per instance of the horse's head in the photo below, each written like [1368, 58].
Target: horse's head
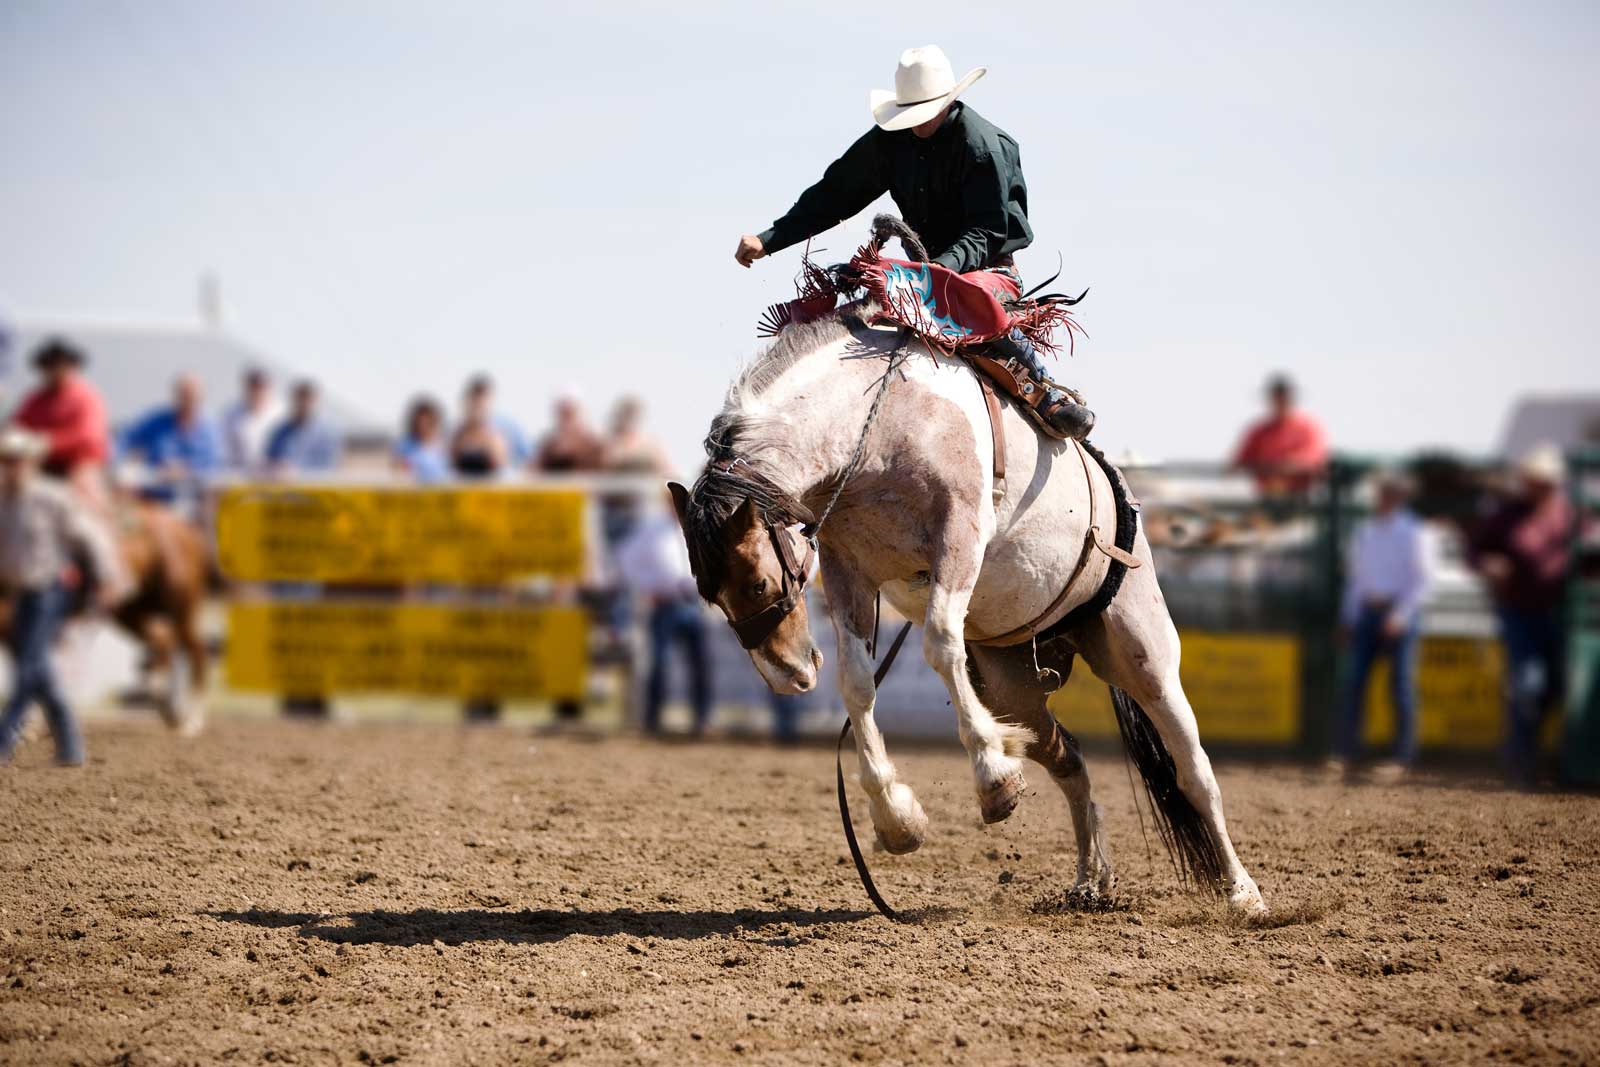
[750, 560]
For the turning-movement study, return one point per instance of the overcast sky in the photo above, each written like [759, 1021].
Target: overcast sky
[1393, 201]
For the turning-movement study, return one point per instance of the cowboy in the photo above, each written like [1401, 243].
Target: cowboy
[957, 180]
[43, 528]
[1523, 550]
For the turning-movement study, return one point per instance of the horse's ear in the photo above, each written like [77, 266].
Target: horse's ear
[680, 499]
[744, 516]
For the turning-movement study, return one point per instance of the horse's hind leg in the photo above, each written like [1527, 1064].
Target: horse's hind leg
[1007, 681]
[1134, 646]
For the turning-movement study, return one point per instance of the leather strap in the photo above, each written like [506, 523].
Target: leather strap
[1001, 374]
[1092, 541]
[997, 428]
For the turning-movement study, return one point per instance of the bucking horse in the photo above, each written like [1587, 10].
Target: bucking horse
[876, 453]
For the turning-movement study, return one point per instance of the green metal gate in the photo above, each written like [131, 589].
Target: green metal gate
[1580, 749]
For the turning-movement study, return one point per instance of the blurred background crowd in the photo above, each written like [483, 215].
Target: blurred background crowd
[1509, 526]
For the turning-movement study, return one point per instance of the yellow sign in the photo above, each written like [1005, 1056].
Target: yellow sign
[315, 647]
[1460, 702]
[462, 536]
[1244, 688]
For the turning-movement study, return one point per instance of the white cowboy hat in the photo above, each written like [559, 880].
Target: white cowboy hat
[1543, 463]
[924, 85]
[17, 443]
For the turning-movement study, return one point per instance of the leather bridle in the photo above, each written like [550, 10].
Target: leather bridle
[756, 627]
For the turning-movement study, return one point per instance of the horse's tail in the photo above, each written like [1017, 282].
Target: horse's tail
[1190, 843]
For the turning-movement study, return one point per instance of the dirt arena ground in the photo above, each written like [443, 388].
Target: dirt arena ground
[302, 894]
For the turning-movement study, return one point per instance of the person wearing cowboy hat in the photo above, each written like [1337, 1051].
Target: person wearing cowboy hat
[66, 410]
[1523, 552]
[957, 180]
[1389, 569]
[42, 530]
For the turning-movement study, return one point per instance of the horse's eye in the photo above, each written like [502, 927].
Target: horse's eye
[760, 587]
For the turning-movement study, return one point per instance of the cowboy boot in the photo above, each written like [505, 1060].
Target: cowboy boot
[1056, 412]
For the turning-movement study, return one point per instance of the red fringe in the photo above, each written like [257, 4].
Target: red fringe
[817, 292]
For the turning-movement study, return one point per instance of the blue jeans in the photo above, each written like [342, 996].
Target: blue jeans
[1368, 645]
[35, 622]
[1535, 644]
[678, 622]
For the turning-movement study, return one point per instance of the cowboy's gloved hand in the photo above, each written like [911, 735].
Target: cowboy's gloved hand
[750, 249]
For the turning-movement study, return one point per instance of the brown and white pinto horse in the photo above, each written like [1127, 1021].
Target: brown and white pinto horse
[921, 520]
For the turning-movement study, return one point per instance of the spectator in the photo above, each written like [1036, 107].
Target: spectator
[67, 410]
[178, 444]
[248, 422]
[42, 528]
[479, 448]
[655, 565]
[1390, 567]
[480, 390]
[303, 442]
[630, 449]
[1523, 551]
[1287, 451]
[570, 445]
[420, 451]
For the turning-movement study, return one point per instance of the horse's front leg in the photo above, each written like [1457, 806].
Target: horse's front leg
[995, 747]
[897, 817]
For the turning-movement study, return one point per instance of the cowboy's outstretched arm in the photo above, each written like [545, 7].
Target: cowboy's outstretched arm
[983, 202]
[850, 183]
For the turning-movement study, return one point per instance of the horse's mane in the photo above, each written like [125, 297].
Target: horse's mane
[792, 345]
[723, 487]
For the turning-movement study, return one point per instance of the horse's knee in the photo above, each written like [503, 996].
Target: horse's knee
[856, 685]
[944, 648]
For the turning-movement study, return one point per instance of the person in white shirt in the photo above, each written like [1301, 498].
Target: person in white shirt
[1388, 573]
[247, 423]
[654, 564]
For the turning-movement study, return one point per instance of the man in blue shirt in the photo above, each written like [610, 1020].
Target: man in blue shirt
[179, 445]
[303, 442]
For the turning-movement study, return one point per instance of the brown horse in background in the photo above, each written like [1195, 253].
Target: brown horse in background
[166, 562]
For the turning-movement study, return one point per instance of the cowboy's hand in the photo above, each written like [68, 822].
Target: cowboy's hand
[750, 249]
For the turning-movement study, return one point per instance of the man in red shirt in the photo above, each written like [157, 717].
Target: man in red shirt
[1287, 451]
[68, 412]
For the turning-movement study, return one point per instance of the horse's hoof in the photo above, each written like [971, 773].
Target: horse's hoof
[899, 845]
[1001, 799]
[1246, 899]
[903, 815]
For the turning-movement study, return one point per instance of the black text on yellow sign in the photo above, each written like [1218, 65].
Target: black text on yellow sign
[462, 536]
[514, 652]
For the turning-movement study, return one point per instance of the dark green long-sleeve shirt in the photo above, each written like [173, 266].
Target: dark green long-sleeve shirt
[961, 190]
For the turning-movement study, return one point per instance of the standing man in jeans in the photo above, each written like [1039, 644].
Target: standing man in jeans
[1389, 568]
[654, 565]
[1523, 551]
[41, 528]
